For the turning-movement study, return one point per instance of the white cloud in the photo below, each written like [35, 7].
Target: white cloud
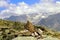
[47, 1]
[45, 6]
[3, 3]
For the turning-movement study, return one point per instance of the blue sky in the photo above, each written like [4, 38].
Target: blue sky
[30, 2]
[26, 1]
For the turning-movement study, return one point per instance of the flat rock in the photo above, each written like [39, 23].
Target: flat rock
[49, 38]
[32, 38]
[24, 38]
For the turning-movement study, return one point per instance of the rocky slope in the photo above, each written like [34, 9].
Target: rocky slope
[10, 30]
[52, 21]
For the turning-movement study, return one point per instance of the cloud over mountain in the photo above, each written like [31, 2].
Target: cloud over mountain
[44, 6]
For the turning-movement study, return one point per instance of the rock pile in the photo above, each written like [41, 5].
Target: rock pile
[34, 32]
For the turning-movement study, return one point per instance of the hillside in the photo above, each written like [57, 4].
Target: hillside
[10, 30]
[11, 24]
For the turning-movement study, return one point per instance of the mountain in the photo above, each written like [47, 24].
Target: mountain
[52, 21]
[33, 17]
[17, 18]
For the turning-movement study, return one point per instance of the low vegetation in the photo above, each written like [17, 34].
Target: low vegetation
[10, 30]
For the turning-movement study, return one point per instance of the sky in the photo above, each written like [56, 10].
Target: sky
[18, 7]
[26, 1]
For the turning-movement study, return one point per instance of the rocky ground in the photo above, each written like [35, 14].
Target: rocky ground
[49, 38]
[17, 31]
[32, 38]
[11, 34]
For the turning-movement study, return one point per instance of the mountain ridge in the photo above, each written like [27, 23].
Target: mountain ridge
[52, 21]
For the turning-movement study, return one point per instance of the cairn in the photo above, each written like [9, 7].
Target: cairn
[34, 32]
